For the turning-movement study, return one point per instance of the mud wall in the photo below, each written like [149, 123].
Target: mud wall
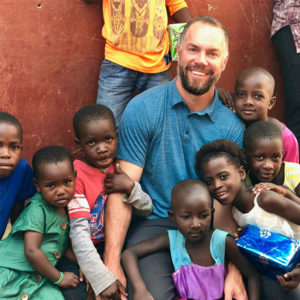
[51, 51]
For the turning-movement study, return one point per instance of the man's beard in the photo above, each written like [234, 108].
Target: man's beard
[196, 89]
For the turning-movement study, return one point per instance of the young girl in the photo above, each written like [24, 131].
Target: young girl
[39, 237]
[198, 252]
[222, 164]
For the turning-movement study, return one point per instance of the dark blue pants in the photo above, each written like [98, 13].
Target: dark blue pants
[66, 265]
[290, 62]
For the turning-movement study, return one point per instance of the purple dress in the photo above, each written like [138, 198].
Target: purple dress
[194, 281]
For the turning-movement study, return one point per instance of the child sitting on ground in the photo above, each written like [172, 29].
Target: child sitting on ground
[223, 164]
[16, 176]
[96, 135]
[254, 98]
[41, 233]
[199, 253]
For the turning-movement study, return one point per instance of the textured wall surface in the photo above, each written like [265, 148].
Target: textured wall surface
[51, 51]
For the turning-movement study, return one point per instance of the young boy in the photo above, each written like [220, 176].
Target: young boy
[96, 135]
[16, 177]
[254, 98]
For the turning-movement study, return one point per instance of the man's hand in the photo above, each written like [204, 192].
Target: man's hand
[114, 292]
[290, 280]
[119, 182]
[234, 287]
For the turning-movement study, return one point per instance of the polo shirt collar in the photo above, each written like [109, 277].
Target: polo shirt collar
[209, 111]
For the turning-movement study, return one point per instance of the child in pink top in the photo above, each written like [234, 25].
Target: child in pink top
[254, 98]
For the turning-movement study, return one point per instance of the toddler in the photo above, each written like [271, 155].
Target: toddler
[16, 176]
[254, 98]
[41, 233]
[223, 164]
[198, 252]
[96, 136]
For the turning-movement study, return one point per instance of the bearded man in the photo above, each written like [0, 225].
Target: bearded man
[160, 132]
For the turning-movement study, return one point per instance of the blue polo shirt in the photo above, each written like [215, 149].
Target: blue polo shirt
[160, 134]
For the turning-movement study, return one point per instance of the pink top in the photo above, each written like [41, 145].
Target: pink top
[290, 146]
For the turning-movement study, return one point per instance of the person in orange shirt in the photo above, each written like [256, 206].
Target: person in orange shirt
[136, 48]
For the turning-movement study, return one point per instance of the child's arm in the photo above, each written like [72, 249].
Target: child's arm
[39, 261]
[233, 254]
[284, 207]
[120, 182]
[102, 280]
[278, 189]
[130, 262]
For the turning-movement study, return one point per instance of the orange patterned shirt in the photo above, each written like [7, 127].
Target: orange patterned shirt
[136, 33]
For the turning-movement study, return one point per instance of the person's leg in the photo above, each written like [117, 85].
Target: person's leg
[271, 290]
[157, 268]
[115, 87]
[66, 265]
[146, 81]
[78, 293]
[290, 62]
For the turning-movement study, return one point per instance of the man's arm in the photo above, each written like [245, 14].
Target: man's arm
[117, 219]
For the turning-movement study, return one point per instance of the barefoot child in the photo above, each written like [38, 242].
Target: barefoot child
[222, 164]
[254, 98]
[16, 183]
[96, 136]
[199, 253]
[41, 233]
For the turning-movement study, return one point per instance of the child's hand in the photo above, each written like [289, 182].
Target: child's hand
[114, 292]
[270, 187]
[82, 278]
[227, 98]
[238, 232]
[290, 280]
[119, 182]
[142, 294]
[70, 280]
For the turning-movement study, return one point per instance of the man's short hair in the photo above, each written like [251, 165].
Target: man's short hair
[50, 155]
[91, 112]
[209, 20]
[7, 118]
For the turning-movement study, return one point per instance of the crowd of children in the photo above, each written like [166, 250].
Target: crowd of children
[67, 199]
